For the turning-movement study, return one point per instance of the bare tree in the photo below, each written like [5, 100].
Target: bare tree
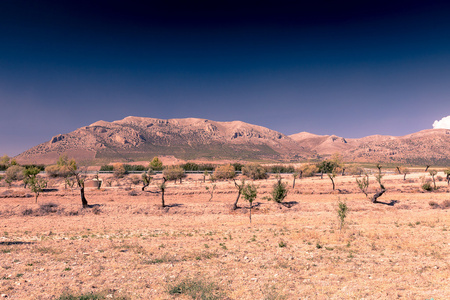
[239, 187]
[433, 174]
[162, 187]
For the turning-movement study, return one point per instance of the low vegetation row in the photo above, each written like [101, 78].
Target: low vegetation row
[331, 168]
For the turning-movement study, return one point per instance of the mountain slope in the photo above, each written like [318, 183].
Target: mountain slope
[135, 138]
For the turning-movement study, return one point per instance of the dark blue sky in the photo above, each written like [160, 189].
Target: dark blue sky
[333, 67]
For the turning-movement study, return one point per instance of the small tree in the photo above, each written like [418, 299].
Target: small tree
[378, 178]
[433, 174]
[29, 173]
[75, 172]
[36, 185]
[342, 210]
[279, 191]
[331, 167]
[254, 171]
[405, 171]
[294, 176]
[308, 170]
[119, 170]
[210, 190]
[240, 187]
[363, 184]
[146, 179]
[249, 192]
[174, 173]
[206, 173]
[156, 164]
[224, 172]
[447, 172]
[162, 188]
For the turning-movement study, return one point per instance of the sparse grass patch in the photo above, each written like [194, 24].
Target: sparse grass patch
[196, 289]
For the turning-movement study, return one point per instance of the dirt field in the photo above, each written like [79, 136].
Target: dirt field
[127, 247]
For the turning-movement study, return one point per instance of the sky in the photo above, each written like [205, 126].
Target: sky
[328, 67]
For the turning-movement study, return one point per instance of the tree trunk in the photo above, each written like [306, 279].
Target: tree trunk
[251, 213]
[321, 175]
[145, 185]
[236, 202]
[377, 195]
[162, 198]
[426, 169]
[343, 172]
[293, 184]
[404, 177]
[83, 199]
[398, 170]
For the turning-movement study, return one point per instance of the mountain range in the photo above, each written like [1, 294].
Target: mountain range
[140, 139]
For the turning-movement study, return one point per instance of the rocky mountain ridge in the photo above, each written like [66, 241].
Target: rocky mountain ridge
[137, 138]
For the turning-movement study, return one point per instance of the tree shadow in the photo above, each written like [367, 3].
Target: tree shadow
[16, 243]
[391, 203]
[173, 205]
[289, 204]
[49, 190]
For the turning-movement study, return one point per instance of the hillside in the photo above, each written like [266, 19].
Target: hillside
[135, 138]
[430, 146]
[140, 139]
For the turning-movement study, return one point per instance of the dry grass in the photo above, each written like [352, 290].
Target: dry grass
[127, 247]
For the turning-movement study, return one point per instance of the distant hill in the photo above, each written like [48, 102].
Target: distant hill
[140, 139]
[135, 138]
[430, 146]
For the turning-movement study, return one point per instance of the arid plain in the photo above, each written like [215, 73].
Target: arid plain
[127, 247]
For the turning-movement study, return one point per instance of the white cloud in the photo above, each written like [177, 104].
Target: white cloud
[442, 123]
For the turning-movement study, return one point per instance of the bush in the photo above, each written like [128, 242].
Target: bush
[107, 168]
[254, 171]
[427, 186]
[224, 172]
[279, 191]
[119, 170]
[445, 204]
[433, 204]
[174, 173]
[281, 169]
[14, 173]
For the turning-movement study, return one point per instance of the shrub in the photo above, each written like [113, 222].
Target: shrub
[279, 191]
[156, 164]
[445, 204]
[119, 170]
[14, 173]
[342, 210]
[254, 171]
[174, 173]
[48, 208]
[427, 186]
[433, 204]
[308, 170]
[224, 172]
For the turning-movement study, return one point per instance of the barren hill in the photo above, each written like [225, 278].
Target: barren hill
[139, 139]
[135, 138]
[430, 146]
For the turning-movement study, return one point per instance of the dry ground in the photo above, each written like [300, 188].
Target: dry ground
[127, 246]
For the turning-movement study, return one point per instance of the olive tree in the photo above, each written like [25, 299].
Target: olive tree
[331, 167]
[224, 172]
[249, 192]
[36, 185]
[174, 173]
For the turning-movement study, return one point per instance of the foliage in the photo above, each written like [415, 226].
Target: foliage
[355, 170]
[249, 192]
[63, 167]
[254, 171]
[363, 183]
[14, 173]
[426, 185]
[29, 173]
[342, 210]
[190, 166]
[36, 185]
[280, 169]
[119, 170]
[156, 164]
[331, 167]
[308, 170]
[224, 172]
[174, 173]
[279, 191]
